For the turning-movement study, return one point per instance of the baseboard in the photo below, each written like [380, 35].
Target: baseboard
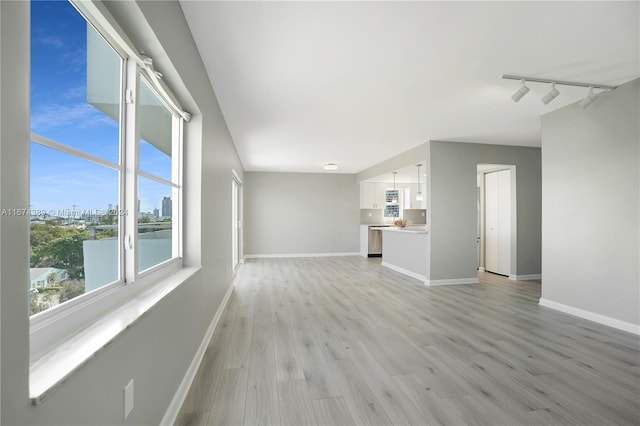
[404, 271]
[525, 277]
[481, 269]
[268, 256]
[179, 397]
[591, 316]
[432, 283]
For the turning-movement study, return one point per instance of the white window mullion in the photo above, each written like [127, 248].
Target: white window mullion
[130, 176]
[122, 220]
[176, 192]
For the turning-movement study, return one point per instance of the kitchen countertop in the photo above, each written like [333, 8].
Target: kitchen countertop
[416, 229]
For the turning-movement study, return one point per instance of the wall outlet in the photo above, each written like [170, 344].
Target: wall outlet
[369, 214]
[422, 214]
[128, 399]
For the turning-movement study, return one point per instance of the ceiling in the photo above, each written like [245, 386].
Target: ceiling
[355, 83]
[408, 174]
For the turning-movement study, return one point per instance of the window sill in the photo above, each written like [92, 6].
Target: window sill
[55, 366]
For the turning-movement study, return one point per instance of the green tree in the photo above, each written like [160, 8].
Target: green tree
[52, 278]
[71, 289]
[105, 233]
[62, 253]
[43, 233]
[109, 219]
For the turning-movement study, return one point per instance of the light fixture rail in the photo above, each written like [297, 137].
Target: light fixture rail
[560, 82]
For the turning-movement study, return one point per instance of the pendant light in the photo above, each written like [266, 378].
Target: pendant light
[419, 194]
[394, 200]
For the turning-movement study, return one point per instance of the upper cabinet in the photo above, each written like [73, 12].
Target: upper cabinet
[372, 195]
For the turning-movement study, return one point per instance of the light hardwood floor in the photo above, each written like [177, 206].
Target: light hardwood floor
[343, 341]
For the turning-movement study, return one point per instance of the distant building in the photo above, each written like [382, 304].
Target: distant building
[156, 213]
[43, 277]
[166, 206]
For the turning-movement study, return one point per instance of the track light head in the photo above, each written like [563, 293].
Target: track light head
[553, 93]
[523, 90]
[588, 100]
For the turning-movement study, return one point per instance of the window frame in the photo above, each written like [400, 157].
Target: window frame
[53, 326]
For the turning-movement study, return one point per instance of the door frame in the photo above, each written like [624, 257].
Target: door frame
[482, 169]
[237, 215]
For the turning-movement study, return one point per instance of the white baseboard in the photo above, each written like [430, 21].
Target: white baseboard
[591, 316]
[525, 277]
[267, 256]
[472, 280]
[481, 269]
[404, 271]
[179, 397]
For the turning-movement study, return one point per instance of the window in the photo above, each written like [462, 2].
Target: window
[105, 162]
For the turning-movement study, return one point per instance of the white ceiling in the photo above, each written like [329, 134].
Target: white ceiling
[305, 83]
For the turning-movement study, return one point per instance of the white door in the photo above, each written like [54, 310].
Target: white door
[235, 223]
[498, 222]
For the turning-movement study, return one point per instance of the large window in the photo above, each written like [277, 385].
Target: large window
[104, 163]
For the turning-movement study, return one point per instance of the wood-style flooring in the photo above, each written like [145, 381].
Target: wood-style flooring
[344, 341]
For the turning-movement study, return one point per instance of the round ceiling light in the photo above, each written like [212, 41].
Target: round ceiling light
[331, 166]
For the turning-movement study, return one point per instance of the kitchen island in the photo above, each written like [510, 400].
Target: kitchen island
[404, 250]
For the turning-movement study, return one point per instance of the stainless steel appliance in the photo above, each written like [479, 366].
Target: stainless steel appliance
[375, 241]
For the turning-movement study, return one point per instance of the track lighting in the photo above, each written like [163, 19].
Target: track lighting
[523, 90]
[553, 93]
[591, 96]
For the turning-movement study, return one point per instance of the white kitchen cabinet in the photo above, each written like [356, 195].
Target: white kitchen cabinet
[372, 195]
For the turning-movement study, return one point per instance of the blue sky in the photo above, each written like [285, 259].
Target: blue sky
[60, 111]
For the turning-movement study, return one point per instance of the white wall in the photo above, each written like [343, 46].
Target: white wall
[591, 213]
[14, 263]
[300, 213]
[452, 207]
[157, 349]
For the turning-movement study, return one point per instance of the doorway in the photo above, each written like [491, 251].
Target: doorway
[236, 222]
[496, 219]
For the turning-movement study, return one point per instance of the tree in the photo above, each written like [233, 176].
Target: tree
[71, 289]
[109, 219]
[52, 278]
[105, 233]
[43, 233]
[62, 253]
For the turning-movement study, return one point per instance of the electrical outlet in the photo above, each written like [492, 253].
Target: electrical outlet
[128, 399]
[369, 214]
[422, 214]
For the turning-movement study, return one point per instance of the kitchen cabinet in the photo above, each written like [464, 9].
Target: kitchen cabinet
[372, 195]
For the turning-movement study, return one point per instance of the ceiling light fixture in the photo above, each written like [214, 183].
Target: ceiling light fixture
[419, 194]
[331, 166]
[591, 96]
[523, 90]
[553, 93]
[395, 194]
